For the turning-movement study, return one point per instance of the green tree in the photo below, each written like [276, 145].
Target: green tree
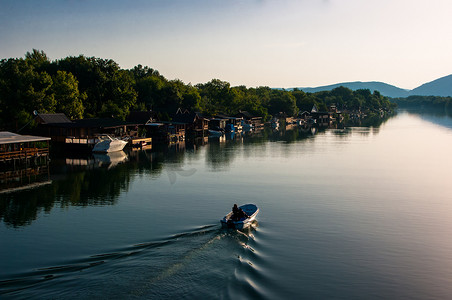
[95, 78]
[37, 59]
[69, 100]
[282, 101]
[22, 90]
[191, 99]
[121, 93]
[216, 96]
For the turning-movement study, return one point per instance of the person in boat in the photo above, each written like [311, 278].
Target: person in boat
[238, 213]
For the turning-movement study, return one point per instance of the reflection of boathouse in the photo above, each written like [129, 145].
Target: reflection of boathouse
[23, 161]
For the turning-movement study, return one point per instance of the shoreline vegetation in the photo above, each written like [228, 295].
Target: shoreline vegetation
[426, 103]
[89, 87]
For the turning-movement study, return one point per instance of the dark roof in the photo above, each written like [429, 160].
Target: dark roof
[319, 113]
[93, 123]
[141, 117]
[187, 118]
[54, 118]
[170, 123]
[220, 116]
[247, 115]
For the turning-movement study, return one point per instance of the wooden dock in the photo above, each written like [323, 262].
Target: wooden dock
[141, 143]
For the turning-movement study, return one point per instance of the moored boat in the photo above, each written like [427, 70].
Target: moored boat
[250, 209]
[108, 144]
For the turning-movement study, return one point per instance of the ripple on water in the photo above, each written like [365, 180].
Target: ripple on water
[206, 260]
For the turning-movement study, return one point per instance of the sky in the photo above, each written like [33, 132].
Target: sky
[275, 43]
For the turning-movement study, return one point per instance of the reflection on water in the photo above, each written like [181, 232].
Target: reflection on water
[345, 213]
[99, 179]
[439, 117]
[97, 160]
[168, 256]
[110, 159]
[24, 177]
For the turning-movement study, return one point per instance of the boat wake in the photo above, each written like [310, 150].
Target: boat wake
[224, 260]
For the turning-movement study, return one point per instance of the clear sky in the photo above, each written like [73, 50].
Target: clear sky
[276, 43]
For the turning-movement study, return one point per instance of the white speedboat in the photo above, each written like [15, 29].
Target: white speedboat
[108, 144]
[250, 209]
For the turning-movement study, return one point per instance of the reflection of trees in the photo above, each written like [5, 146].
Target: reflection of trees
[21, 208]
[221, 152]
[293, 134]
[93, 185]
[75, 186]
[82, 188]
[436, 116]
[99, 186]
[371, 120]
[219, 155]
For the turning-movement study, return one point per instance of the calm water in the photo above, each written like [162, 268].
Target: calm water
[345, 214]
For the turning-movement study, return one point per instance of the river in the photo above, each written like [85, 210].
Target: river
[353, 213]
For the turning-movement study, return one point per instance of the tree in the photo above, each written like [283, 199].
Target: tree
[282, 101]
[69, 100]
[22, 90]
[119, 94]
[216, 96]
[37, 59]
[94, 76]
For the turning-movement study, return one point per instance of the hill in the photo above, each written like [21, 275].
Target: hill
[384, 88]
[439, 87]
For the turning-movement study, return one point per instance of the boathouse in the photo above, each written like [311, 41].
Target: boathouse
[248, 118]
[81, 134]
[194, 123]
[16, 148]
[236, 122]
[322, 118]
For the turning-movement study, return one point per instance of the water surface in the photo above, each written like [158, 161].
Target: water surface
[359, 212]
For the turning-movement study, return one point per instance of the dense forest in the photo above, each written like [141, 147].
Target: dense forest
[87, 87]
[425, 102]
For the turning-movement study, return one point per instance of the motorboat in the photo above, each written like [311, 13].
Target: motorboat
[108, 144]
[250, 209]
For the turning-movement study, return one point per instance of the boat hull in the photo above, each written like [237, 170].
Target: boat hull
[109, 146]
[250, 209]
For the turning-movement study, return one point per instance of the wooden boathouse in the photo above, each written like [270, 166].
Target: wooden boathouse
[22, 149]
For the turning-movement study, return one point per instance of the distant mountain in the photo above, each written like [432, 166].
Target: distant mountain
[439, 87]
[384, 88]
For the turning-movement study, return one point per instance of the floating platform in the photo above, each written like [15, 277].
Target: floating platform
[141, 143]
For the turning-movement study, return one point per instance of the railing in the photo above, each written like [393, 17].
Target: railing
[84, 141]
[24, 153]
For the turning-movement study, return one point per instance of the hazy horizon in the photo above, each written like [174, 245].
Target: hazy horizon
[254, 43]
